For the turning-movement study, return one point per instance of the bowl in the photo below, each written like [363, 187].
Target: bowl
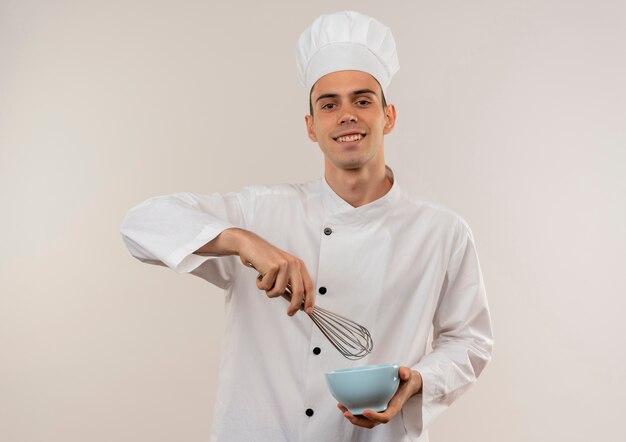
[364, 388]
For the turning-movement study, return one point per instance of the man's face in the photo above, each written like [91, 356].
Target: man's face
[349, 121]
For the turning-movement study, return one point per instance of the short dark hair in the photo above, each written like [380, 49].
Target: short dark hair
[311, 102]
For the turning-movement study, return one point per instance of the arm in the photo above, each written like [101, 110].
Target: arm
[462, 339]
[166, 230]
[277, 267]
[201, 234]
[462, 344]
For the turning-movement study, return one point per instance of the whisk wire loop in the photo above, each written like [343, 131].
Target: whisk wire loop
[351, 339]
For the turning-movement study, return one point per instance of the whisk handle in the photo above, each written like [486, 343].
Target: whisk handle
[287, 294]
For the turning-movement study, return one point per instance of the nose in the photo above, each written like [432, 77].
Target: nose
[347, 117]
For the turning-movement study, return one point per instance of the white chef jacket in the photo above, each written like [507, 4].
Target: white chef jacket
[399, 266]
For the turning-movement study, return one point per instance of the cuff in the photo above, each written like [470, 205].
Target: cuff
[183, 260]
[416, 413]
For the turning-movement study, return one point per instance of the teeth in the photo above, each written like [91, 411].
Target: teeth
[355, 137]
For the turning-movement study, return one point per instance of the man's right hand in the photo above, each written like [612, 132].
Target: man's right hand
[278, 268]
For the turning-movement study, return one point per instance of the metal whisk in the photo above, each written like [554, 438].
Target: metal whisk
[352, 340]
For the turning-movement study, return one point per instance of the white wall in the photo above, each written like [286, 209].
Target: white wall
[512, 113]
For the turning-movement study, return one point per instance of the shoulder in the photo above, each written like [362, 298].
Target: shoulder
[294, 191]
[427, 208]
[433, 216]
[281, 198]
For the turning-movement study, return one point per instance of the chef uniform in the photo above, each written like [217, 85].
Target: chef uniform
[402, 267]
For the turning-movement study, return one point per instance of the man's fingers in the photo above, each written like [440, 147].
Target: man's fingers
[266, 282]
[359, 421]
[280, 271]
[282, 278]
[309, 290]
[381, 418]
[297, 292]
[405, 373]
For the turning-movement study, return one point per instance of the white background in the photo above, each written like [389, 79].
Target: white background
[510, 112]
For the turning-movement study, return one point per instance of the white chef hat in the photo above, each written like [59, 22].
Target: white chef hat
[343, 41]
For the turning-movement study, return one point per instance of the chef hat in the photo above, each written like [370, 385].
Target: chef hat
[343, 41]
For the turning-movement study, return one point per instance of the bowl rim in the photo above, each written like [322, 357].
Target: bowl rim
[363, 368]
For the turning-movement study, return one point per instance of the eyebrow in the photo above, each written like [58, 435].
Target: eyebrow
[353, 93]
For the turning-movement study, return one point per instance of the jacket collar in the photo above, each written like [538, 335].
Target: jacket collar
[336, 206]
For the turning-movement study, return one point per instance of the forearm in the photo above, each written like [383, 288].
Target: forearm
[278, 268]
[452, 367]
[229, 242]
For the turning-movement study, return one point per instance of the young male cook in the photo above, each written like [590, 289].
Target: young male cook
[353, 242]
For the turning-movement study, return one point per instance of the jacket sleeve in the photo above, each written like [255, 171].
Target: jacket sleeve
[166, 230]
[462, 340]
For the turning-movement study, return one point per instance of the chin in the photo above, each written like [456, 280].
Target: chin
[349, 165]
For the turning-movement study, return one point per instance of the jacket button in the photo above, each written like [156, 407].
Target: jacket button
[328, 231]
[317, 351]
[309, 412]
[322, 290]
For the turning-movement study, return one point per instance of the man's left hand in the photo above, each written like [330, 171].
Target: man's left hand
[410, 384]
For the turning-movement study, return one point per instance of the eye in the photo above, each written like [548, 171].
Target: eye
[329, 106]
[363, 102]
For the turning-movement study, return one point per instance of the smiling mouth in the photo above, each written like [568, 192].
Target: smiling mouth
[349, 138]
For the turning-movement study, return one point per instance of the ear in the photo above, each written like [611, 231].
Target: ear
[390, 118]
[309, 127]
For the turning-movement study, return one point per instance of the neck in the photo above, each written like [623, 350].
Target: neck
[359, 186]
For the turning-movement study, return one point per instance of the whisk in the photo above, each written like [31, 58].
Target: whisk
[352, 340]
